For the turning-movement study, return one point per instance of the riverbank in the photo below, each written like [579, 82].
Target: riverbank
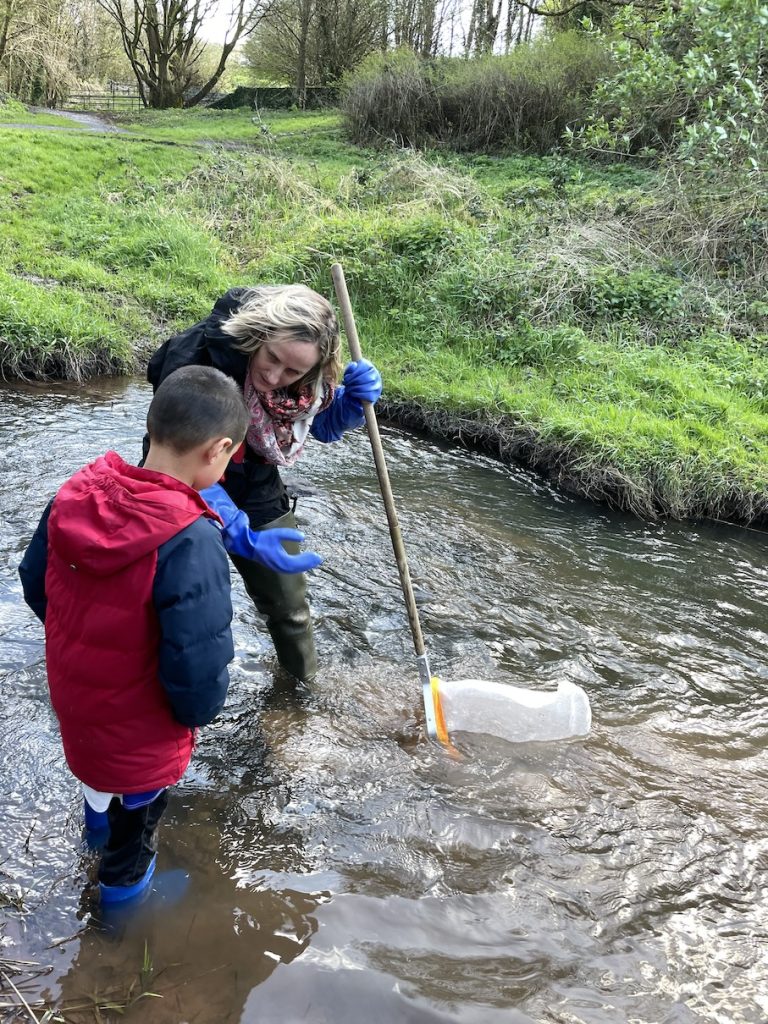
[531, 306]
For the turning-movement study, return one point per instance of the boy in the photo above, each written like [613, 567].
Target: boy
[130, 576]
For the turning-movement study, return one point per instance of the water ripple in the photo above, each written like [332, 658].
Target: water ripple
[340, 867]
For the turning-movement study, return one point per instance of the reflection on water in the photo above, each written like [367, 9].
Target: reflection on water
[341, 869]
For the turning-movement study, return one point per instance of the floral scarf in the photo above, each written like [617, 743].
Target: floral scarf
[280, 420]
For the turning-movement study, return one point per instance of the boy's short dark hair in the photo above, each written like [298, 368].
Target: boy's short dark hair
[195, 404]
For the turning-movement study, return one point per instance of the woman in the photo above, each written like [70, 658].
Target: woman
[281, 345]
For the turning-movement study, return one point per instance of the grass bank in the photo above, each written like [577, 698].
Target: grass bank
[12, 112]
[525, 304]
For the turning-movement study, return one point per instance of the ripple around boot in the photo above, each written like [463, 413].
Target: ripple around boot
[122, 893]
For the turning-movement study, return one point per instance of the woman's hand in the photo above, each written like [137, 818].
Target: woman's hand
[362, 381]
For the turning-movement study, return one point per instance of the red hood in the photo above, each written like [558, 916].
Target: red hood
[110, 514]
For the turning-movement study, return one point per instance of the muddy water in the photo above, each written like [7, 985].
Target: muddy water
[321, 863]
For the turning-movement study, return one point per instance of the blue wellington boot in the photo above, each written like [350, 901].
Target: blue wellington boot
[96, 827]
[123, 893]
[95, 821]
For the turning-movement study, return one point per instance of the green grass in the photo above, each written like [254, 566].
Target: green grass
[12, 112]
[242, 126]
[90, 264]
[511, 294]
[24, 116]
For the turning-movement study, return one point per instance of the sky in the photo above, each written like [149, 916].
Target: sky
[218, 21]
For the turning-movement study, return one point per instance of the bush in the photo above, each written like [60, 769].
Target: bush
[390, 98]
[524, 100]
[638, 294]
[689, 78]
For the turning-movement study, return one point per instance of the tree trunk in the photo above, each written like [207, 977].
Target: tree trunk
[471, 31]
[5, 26]
[529, 26]
[428, 27]
[305, 16]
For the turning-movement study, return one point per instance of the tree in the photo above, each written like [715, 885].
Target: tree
[8, 29]
[484, 26]
[418, 24]
[49, 47]
[314, 41]
[346, 31]
[96, 54]
[162, 41]
[280, 49]
[35, 40]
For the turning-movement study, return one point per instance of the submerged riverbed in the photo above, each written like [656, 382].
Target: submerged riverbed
[339, 868]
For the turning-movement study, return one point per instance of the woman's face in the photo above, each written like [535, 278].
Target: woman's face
[278, 363]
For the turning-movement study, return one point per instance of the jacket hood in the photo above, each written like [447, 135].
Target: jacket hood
[110, 514]
[221, 351]
[221, 312]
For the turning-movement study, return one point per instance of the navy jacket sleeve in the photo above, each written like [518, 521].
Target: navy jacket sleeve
[194, 607]
[33, 567]
[343, 414]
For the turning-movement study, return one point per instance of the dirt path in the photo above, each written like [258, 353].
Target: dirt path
[86, 122]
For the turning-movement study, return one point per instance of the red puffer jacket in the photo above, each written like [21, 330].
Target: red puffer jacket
[104, 638]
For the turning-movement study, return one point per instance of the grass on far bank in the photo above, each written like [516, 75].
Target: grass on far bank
[12, 112]
[514, 302]
[226, 126]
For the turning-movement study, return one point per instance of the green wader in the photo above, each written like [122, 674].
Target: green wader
[282, 600]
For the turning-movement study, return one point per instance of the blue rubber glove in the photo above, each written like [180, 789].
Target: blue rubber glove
[361, 383]
[263, 546]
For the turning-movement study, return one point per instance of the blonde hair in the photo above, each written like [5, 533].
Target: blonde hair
[289, 312]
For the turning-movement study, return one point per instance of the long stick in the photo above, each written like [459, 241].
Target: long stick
[350, 329]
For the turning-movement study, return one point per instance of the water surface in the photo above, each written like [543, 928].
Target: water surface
[340, 868]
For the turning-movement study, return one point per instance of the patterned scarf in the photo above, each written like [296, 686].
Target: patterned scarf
[280, 420]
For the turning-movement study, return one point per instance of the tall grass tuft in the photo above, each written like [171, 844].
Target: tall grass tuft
[59, 335]
[713, 227]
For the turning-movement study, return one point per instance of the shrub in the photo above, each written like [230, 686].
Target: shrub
[638, 294]
[689, 77]
[523, 100]
[390, 98]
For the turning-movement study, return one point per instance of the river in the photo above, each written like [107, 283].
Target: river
[337, 867]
